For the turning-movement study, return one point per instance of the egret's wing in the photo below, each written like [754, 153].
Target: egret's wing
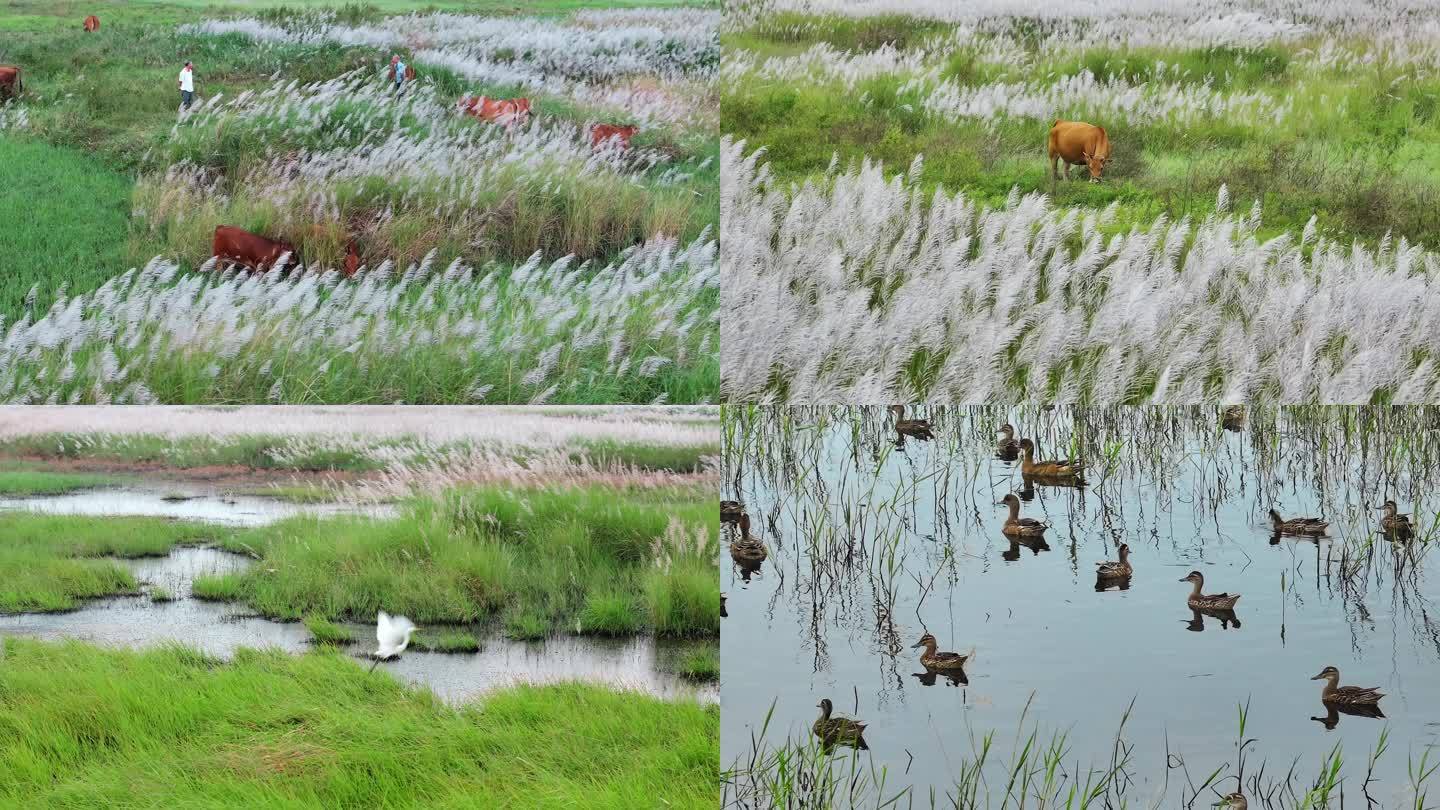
[382, 629]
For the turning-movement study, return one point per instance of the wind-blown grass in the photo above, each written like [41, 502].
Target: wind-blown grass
[47, 562]
[862, 288]
[641, 329]
[317, 730]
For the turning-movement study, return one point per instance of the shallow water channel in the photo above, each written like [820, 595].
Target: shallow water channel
[221, 628]
[872, 545]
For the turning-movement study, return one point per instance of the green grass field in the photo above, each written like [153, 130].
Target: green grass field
[81, 726]
[21, 480]
[1360, 149]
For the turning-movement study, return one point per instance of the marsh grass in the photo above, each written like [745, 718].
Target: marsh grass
[259, 452]
[596, 560]
[159, 595]
[51, 562]
[445, 641]
[26, 482]
[327, 632]
[82, 725]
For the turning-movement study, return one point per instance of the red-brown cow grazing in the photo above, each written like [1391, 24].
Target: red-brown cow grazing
[11, 82]
[1078, 144]
[603, 134]
[251, 250]
[352, 259]
[92, 23]
[505, 111]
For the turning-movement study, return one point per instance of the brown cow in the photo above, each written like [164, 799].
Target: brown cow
[251, 250]
[352, 259]
[12, 83]
[1078, 143]
[92, 23]
[603, 134]
[499, 110]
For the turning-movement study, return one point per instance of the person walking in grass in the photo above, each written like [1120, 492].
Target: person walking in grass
[397, 73]
[187, 85]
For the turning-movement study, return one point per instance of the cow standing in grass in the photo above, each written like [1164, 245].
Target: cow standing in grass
[12, 84]
[236, 246]
[604, 135]
[1078, 144]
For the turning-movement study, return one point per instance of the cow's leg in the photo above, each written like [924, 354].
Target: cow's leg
[1067, 171]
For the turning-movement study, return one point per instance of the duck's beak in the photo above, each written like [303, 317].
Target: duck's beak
[917, 644]
[1184, 579]
[1318, 677]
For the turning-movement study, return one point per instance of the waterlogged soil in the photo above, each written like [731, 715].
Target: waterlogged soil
[221, 628]
[872, 545]
[186, 501]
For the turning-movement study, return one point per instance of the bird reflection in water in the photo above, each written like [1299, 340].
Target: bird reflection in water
[1035, 544]
[1227, 619]
[953, 677]
[1334, 710]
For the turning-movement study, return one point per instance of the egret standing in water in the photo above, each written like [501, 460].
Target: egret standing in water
[393, 633]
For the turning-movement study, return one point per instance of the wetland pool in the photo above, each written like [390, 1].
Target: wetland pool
[873, 543]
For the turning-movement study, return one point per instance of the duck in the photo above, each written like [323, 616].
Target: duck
[730, 511]
[1233, 418]
[1310, 527]
[838, 729]
[1234, 801]
[1063, 469]
[938, 661]
[1393, 522]
[1016, 526]
[1345, 695]
[1116, 569]
[915, 428]
[746, 548]
[1006, 447]
[723, 614]
[1214, 601]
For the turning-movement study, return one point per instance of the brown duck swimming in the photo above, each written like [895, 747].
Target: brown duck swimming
[914, 428]
[1304, 526]
[1345, 695]
[745, 548]
[1068, 470]
[842, 730]
[1233, 418]
[938, 661]
[730, 511]
[1214, 601]
[1016, 526]
[1394, 523]
[1007, 448]
[1120, 568]
[1234, 801]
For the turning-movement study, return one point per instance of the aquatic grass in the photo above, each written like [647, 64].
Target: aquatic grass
[700, 664]
[445, 641]
[48, 562]
[28, 482]
[318, 730]
[159, 595]
[327, 632]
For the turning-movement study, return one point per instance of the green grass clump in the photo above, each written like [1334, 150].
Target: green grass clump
[446, 641]
[21, 483]
[595, 560]
[82, 727]
[327, 632]
[161, 595]
[43, 565]
[700, 664]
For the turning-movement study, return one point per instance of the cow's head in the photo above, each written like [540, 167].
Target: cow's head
[1096, 164]
[352, 259]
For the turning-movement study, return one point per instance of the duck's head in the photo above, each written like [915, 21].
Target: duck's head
[744, 524]
[1011, 501]
[1027, 445]
[1124, 550]
[1275, 517]
[1389, 507]
[1327, 672]
[1194, 576]
[825, 705]
[926, 640]
[1235, 801]
[898, 410]
[1007, 430]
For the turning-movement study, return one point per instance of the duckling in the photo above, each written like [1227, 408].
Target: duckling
[1116, 569]
[1016, 526]
[939, 661]
[723, 614]
[730, 511]
[1308, 527]
[1233, 418]
[746, 548]
[1007, 448]
[832, 730]
[1214, 601]
[1345, 695]
[1395, 523]
[1234, 801]
[914, 428]
[1066, 469]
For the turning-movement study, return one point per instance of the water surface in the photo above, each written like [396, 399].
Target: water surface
[872, 545]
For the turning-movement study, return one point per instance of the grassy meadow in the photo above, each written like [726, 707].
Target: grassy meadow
[897, 233]
[85, 726]
[499, 264]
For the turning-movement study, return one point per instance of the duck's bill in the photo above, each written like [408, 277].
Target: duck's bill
[1318, 677]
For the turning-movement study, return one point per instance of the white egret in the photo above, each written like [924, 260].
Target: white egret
[393, 633]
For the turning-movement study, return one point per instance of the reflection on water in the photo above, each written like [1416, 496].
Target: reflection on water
[186, 501]
[221, 628]
[870, 545]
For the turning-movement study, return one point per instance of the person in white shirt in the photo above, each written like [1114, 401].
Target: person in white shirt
[187, 85]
